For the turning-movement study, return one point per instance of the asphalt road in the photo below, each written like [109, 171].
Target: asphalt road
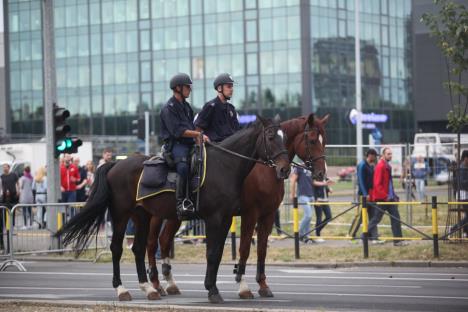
[354, 289]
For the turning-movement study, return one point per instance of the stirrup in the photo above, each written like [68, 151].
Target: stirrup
[187, 205]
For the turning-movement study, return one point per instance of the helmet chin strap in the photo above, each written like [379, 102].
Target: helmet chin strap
[180, 92]
[227, 98]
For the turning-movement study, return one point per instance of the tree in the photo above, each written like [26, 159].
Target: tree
[450, 28]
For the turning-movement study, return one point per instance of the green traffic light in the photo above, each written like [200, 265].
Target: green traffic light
[61, 147]
[64, 144]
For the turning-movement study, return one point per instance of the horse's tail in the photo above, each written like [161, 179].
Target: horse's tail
[86, 223]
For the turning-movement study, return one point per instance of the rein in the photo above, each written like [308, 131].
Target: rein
[270, 159]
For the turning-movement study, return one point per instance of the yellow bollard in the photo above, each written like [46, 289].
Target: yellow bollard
[233, 225]
[296, 220]
[365, 228]
[233, 238]
[435, 227]
[296, 227]
[59, 221]
[7, 214]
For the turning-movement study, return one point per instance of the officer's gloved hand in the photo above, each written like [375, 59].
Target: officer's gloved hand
[205, 139]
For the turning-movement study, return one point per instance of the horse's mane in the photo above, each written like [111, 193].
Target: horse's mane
[240, 137]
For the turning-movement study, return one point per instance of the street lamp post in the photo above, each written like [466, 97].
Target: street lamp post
[357, 48]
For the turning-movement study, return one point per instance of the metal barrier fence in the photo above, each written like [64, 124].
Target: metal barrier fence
[32, 241]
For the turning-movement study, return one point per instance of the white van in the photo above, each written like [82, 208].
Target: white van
[439, 149]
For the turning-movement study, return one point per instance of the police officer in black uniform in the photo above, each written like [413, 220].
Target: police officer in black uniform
[179, 135]
[218, 118]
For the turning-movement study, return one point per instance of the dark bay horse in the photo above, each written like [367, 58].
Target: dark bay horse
[115, 189]
[261, 196]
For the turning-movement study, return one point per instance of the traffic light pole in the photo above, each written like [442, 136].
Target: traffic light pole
[50, 97]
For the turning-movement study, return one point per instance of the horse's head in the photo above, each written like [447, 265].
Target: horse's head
[310, 143]
[270, 147]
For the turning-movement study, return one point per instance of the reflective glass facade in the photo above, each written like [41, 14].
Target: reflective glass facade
[114, 59]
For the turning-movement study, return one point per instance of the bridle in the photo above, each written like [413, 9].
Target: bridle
[309, 163]
[270, 159]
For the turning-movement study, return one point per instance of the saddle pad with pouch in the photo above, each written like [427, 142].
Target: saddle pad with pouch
[157, 177]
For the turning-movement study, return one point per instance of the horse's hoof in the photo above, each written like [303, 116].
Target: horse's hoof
[161, 291]
[216, 298]
[153, 296]
[125, 296]
[173, 290]
[247, 294]
[265, 292]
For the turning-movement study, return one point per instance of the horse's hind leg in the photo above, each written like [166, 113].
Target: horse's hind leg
[119, 226]
[139, 249]
[264, 226]
[247, 229]
[151, 247]
[165, 240]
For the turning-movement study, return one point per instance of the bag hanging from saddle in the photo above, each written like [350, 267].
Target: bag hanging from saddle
[155, 173]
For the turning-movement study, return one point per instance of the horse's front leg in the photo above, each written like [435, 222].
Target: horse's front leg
[165, 240]
[247, 229]
[264, 227]
[216, 233]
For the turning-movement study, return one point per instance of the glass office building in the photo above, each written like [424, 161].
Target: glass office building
[114, 59]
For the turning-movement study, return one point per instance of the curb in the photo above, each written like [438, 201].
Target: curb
[140, 307]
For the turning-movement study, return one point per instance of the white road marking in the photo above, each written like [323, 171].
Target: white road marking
[312, 271]
[395, 276]
[235, 291]
[296, 284]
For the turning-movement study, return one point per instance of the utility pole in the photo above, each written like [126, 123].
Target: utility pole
[50, 97]
[357, 48]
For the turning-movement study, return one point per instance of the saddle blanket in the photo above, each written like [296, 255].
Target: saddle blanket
[156, 176]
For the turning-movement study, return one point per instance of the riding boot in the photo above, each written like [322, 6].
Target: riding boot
[185, 208]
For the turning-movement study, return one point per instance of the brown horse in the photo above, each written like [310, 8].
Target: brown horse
[228, 164]
[261, 196]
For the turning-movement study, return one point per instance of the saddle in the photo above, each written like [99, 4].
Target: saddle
[158, 176]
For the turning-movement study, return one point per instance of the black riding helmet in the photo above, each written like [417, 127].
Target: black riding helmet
[221, 80]
[180, 79]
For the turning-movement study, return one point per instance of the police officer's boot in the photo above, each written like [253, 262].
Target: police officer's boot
[185, 208]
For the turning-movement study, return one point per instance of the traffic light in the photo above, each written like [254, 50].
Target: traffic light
[68, 145]
[64, 143]
[138, 128]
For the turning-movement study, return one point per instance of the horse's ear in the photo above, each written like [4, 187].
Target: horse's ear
[264, 121]
[277, 118]
[324, 119]
[311, 120]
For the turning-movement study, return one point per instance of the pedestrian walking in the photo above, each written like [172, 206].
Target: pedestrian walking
[39, 187]
[26, 197]
[302, 178]
[420, 171]
[10, 189]
[384, 191]
[321, 191]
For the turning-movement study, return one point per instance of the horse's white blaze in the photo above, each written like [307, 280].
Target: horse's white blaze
[280, 133]
[147, 288]
[243, 286]
[320, 139]
[121, 290]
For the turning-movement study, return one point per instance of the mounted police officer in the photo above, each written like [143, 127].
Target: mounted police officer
[179, 135]
[218, 118]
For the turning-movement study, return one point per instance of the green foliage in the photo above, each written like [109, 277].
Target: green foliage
[450, 28]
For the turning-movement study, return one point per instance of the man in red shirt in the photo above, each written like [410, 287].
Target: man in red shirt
[384, 191]
[69, 176]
